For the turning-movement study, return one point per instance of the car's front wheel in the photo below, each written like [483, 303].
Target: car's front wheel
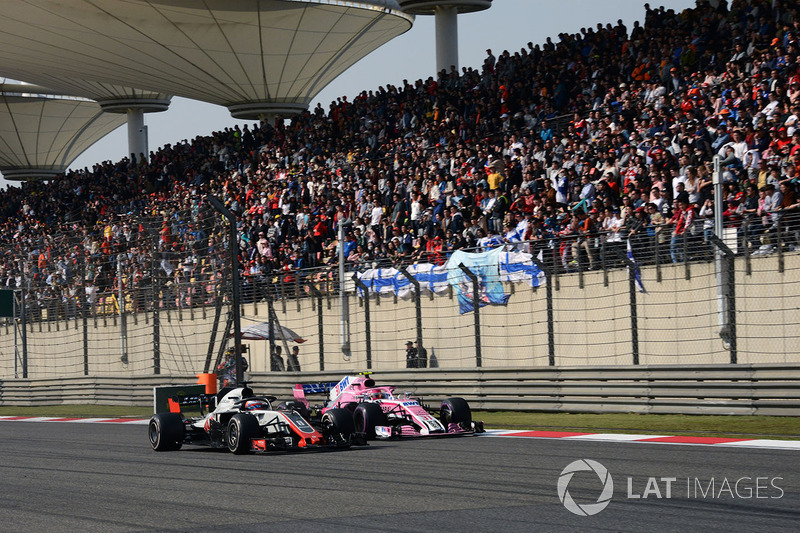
[166, 432]
[340, 421]
[242, 427]
[366, 416]
[455, 411]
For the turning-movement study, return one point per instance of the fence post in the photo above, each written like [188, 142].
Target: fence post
[156, 316]
[748, 267]
[779, 238]
[237, 286]
[297, 290]
[476, 291]
[282, 285]
[634, 315]
[368, 333]
[320, 329]
[123, 319]
[728, 331]
[84, 311]
[271, 321]
[657, 255]
[24, 334]
[687, 269]
[417, 303]
[213, 340]
[551, 343]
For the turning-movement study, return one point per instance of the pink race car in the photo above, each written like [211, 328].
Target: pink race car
[380, 413]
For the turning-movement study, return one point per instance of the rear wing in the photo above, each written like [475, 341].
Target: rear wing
[211, 401]
[333, 388]
[198, 400]
[303, 389]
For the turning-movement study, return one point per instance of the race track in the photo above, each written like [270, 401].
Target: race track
[95, 477]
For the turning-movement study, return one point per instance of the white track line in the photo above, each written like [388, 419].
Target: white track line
[648, 439]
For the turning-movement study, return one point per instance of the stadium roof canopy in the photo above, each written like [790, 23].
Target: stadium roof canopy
[257, 57]
[42, 132]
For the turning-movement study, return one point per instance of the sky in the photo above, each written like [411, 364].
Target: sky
[507, 25]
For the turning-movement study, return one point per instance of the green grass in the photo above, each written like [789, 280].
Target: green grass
[770, 427]
[84, 411]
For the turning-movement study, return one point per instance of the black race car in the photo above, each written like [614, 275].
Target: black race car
[245, 423]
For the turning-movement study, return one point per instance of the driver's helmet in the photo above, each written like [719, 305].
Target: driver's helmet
[379, 395]
[255, 405]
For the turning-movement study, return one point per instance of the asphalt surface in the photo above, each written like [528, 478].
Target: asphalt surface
[104, 477]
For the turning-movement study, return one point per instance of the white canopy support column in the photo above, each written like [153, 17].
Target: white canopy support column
[134, 106]
[446, 38]
[446, 21]
[137, 133]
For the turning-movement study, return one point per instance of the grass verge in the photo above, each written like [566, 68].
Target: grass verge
[762, 427]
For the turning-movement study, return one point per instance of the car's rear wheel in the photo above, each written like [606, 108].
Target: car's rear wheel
[340, 422]
[455, 411]
[366, 416]
[241, 428]
[166, 432]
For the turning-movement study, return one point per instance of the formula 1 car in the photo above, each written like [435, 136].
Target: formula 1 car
[245, 423]
[380, 413]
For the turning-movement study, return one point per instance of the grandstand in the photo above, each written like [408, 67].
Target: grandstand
[591, 152]
[43, 131]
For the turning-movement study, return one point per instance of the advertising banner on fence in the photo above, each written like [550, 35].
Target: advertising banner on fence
[492, 268]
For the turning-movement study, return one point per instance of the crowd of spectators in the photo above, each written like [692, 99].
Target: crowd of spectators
[574, 146]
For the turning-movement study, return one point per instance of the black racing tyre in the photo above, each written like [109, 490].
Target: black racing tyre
[166, 432]
[341, 421]
[292, 405]
[366, 416]
[455, 410]
[241, 428]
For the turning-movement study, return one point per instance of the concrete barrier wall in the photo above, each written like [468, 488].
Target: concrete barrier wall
[700, 389]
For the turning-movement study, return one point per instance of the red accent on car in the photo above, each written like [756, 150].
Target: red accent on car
[174, 407]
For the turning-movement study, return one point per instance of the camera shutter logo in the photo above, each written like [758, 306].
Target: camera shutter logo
[586, 509]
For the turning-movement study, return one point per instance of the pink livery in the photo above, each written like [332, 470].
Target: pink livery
[379, 412]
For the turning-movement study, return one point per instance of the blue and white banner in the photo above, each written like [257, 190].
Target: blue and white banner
[430, 277]
[518, 267]
[486, 266]
[492, 268]
[388, 281]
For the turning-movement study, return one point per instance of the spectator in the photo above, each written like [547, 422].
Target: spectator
[226, 370]
[276, 360]
[293, 361]
[409, 154]
[412, 360]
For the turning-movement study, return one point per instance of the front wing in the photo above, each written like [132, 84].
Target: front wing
[409, 430]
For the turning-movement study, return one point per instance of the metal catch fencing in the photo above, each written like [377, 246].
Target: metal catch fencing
[161, 308]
